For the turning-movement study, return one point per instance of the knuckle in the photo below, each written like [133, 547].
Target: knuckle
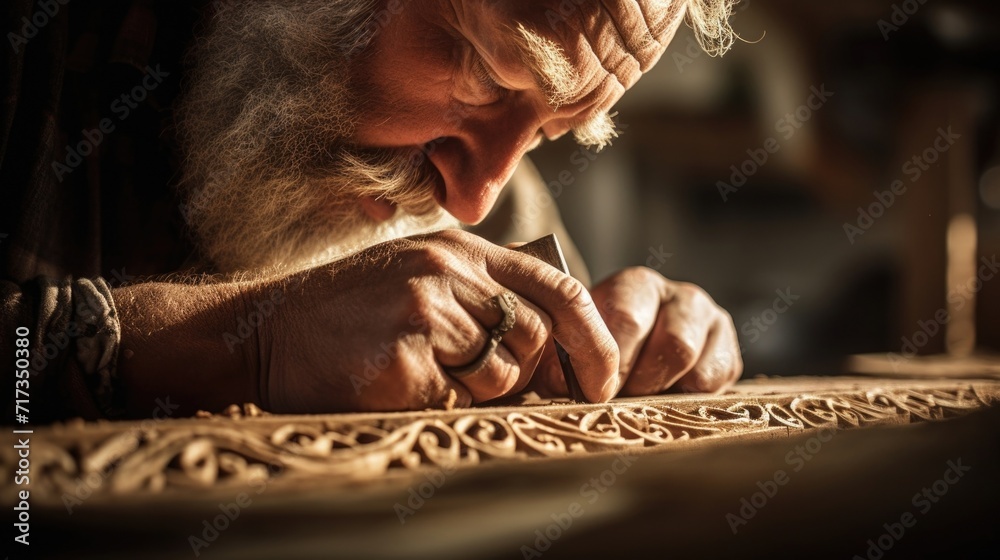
[464, 341]
[574, 294]
[704, 381]
[736, 363]
[715, 374]
[436, 260]
[535, 331]
[726, 319]
[454, 234]
[737, 370]
[623, 322]
[461, 240]
[503, 379]
[699, 300]
[423, 299]
[640, 275]
[681, 353]
[690, 291]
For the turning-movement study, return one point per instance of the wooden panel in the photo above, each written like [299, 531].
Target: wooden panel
[667, 475]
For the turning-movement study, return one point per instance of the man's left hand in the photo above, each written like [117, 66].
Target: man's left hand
[671, 335]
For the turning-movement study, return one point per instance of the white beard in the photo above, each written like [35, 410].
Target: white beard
[270, 180]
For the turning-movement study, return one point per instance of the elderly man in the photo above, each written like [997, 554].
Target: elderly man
[323, 155]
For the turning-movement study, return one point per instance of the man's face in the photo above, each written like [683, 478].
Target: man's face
[300, 150]
[474, 84]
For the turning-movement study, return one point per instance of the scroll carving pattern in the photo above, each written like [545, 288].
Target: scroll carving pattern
[191, 455]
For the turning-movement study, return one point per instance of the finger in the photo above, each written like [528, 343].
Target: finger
[498, 374]
[463, 317]
[719, 366]
[460, 313]
[521, 344]
[629, 303]
[516, 353]
[548, 379]
[481, 299]
[576, 323]
[455, 336]
[673, 348]
[406, 385]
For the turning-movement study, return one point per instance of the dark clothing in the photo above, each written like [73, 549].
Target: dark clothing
[86, 169]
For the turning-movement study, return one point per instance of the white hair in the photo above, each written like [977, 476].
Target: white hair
[709, 19]
[269, 174]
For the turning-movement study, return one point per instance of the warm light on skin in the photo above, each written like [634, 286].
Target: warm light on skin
[454, 83]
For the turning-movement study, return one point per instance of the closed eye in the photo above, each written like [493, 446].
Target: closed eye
[488, 89]
[483, 74]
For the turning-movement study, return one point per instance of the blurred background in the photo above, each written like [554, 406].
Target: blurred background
[833, 181]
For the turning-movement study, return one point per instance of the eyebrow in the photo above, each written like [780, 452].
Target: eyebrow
[560, 82]
[549, 66]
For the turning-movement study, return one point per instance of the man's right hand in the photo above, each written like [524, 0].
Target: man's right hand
[377, 331]
[373, 332]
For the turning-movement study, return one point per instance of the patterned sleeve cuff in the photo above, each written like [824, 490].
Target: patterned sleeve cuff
[97, 346]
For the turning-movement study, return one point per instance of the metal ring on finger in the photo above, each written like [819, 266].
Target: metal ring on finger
[507, 302]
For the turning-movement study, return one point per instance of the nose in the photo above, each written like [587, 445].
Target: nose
[478, 159]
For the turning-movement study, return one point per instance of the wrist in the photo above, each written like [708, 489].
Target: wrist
[173, 345]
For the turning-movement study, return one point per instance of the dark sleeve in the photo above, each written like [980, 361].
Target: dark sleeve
[110, 213]
[73, 335]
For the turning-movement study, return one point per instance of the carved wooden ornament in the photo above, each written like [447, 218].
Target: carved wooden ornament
[118, 460]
